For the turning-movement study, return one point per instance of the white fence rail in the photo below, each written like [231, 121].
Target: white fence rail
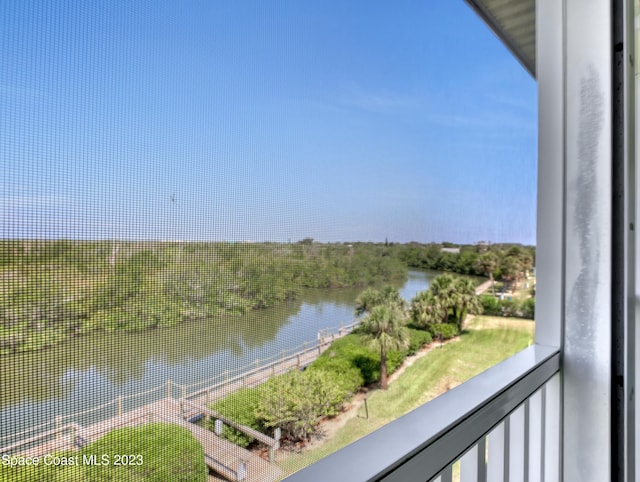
[223, 383]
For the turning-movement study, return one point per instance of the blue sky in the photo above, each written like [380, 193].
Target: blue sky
[256, 120]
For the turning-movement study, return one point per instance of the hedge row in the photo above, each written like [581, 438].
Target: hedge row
[297, 401]
[443, 331]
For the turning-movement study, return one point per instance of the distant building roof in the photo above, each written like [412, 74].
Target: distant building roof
[450, 250]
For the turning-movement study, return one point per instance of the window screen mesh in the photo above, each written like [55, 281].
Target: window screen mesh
[194, 195]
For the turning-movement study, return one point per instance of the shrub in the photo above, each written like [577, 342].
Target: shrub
[529, 308]
[491, 305]
[418, 339]
[297, 401]
[352, 350]
[510, 308]
[344, 372]
[168, 452]
[356, 353]
[394, 360]
[444, 331]
[41, 472]
[240, 407]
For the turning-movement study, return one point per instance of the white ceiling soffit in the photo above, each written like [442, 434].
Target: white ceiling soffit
[514, 21]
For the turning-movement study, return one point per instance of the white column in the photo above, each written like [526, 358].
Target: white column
[574, 70]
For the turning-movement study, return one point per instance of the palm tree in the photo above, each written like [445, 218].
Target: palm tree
[444, 290]
[466, 300]
[392, 295]
[427, 308]
[367, 300]
[384, 328]
[370, 298]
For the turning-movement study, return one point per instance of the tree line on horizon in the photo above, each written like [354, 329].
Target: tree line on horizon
[507, 262]
[56, 290]
[52, 290]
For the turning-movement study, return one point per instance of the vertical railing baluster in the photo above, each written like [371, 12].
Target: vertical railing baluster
[469, 465]
[507, 448]
[482, 460]
[526, 440]
[496, 458]
[536, 424]
[543, 428]
[517, 445]
[553, 422]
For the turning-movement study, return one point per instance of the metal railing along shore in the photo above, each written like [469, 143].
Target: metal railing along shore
[207, 391]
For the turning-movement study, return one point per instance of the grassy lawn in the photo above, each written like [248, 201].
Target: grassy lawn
[485, 342]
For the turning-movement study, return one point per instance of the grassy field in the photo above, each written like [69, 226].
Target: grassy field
[485, 342]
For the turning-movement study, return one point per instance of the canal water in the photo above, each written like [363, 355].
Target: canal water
[93, 370]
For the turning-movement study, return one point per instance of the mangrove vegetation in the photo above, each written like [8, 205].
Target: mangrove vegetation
[54, 290]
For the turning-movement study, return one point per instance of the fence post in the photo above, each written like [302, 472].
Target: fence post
[169, 389]
[277, 433]
[241, 473]
[119, 405]
[298, 361]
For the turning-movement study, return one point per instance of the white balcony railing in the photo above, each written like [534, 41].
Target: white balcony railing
[502, 425]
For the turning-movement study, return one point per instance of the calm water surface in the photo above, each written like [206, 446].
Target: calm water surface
[94, 369]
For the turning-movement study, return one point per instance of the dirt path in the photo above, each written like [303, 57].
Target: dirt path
[483, 287]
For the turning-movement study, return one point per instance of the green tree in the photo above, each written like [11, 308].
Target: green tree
[466, 300]
[391, 295]
[510, 270]
[367, 300]
[371, 298]
[526, 262]
[384, 328]
[297, 401]
[487, 263]
[444, 290]
[427, 309]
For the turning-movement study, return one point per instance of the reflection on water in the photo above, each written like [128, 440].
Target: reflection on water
[87, 371]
